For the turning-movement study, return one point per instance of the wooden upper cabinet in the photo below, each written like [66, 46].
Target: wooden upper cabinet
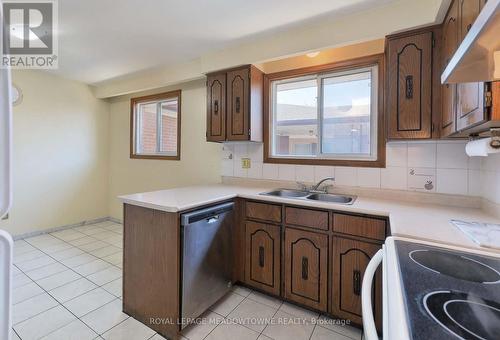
[262, 259]
[410, 86]
[216, 107]
[470, 105]
[470, 108]
[350, 259]
[238, 95]
[306, 268]
[448, 91]
[469, 10]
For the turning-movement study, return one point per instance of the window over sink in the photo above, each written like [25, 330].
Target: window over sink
[330, 114]
[155, 126]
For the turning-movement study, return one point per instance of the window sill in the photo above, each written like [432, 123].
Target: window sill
[157, 157]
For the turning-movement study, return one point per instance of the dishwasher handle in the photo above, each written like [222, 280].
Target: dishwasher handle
[210, 214]
[369, 327]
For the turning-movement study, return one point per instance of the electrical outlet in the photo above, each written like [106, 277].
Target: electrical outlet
[245, 163]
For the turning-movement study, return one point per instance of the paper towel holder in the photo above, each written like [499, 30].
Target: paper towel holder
[495, 138]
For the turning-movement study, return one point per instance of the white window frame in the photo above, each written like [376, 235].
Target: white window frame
[374, 106]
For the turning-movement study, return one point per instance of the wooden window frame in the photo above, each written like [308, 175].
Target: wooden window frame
[159, 96]
[372, 60]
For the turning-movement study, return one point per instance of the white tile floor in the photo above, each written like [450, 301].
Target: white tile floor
[68, 285]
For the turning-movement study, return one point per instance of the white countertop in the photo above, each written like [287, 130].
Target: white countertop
[407, 219]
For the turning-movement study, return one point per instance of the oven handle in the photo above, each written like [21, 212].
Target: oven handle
[369, 327]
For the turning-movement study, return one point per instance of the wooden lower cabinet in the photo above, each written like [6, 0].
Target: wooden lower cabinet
[350, 259]
[262, 256]
[306, 268]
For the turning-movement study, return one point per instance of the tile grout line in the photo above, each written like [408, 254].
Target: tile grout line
[48, 292]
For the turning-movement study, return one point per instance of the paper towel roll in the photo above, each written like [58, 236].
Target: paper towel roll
[480, 147]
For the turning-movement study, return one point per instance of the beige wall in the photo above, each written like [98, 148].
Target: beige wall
[200, 161]
[60, 154]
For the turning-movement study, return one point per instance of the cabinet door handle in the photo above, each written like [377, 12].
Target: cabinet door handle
[409, 87]
[261, 256]
[356, 282]
[216, 106]
[305, 268]
[238, 104]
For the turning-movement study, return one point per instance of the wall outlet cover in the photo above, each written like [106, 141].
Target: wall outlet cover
[245, 163]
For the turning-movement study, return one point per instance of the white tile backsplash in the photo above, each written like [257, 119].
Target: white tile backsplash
[227, 167]
[474, 182]
[270, 171]
[397, 154]
[422, 179]
[255, 170]
[346, 176]
[369, 177]
[256, 152]
[451, 156]
[422, 154]
[286, 172]
[393, 178]
[452, 181]
[437, 167]
[304, 173]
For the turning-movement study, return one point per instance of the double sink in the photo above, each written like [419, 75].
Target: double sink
[311, 196]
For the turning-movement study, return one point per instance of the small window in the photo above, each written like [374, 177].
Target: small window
[330, 116]
[156, 125]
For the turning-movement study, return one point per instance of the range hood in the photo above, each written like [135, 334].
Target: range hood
[478, 56]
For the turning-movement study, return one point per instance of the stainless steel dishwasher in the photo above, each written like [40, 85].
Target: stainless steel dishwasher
[207, 253]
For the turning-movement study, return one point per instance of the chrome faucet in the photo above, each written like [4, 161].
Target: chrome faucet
[315, 188]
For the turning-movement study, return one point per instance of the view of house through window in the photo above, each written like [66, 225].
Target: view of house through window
[326, 116]
[156, 124]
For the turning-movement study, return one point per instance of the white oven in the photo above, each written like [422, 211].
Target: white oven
[396, 322]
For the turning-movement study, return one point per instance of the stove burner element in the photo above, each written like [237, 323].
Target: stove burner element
[457, 266]
[465, 316]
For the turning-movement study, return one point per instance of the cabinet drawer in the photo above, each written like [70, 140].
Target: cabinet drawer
[306, 218]
[359, 226]
[263, 211]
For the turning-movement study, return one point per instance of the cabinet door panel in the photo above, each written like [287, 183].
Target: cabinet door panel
[469, 10]
[470, 105]
[216, 107]
[306, 268]
[410, 86]
[351, 257]
[448, 91]
[262, 267]
[238, 104]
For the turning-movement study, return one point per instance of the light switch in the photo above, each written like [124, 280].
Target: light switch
[245, 163]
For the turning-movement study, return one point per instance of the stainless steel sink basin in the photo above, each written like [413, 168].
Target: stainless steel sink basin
[306, 195]
[289, 193]
[332, 198]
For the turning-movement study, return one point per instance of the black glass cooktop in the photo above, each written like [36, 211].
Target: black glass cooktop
[449, 295]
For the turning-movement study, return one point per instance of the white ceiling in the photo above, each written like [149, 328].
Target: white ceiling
[105, 39]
